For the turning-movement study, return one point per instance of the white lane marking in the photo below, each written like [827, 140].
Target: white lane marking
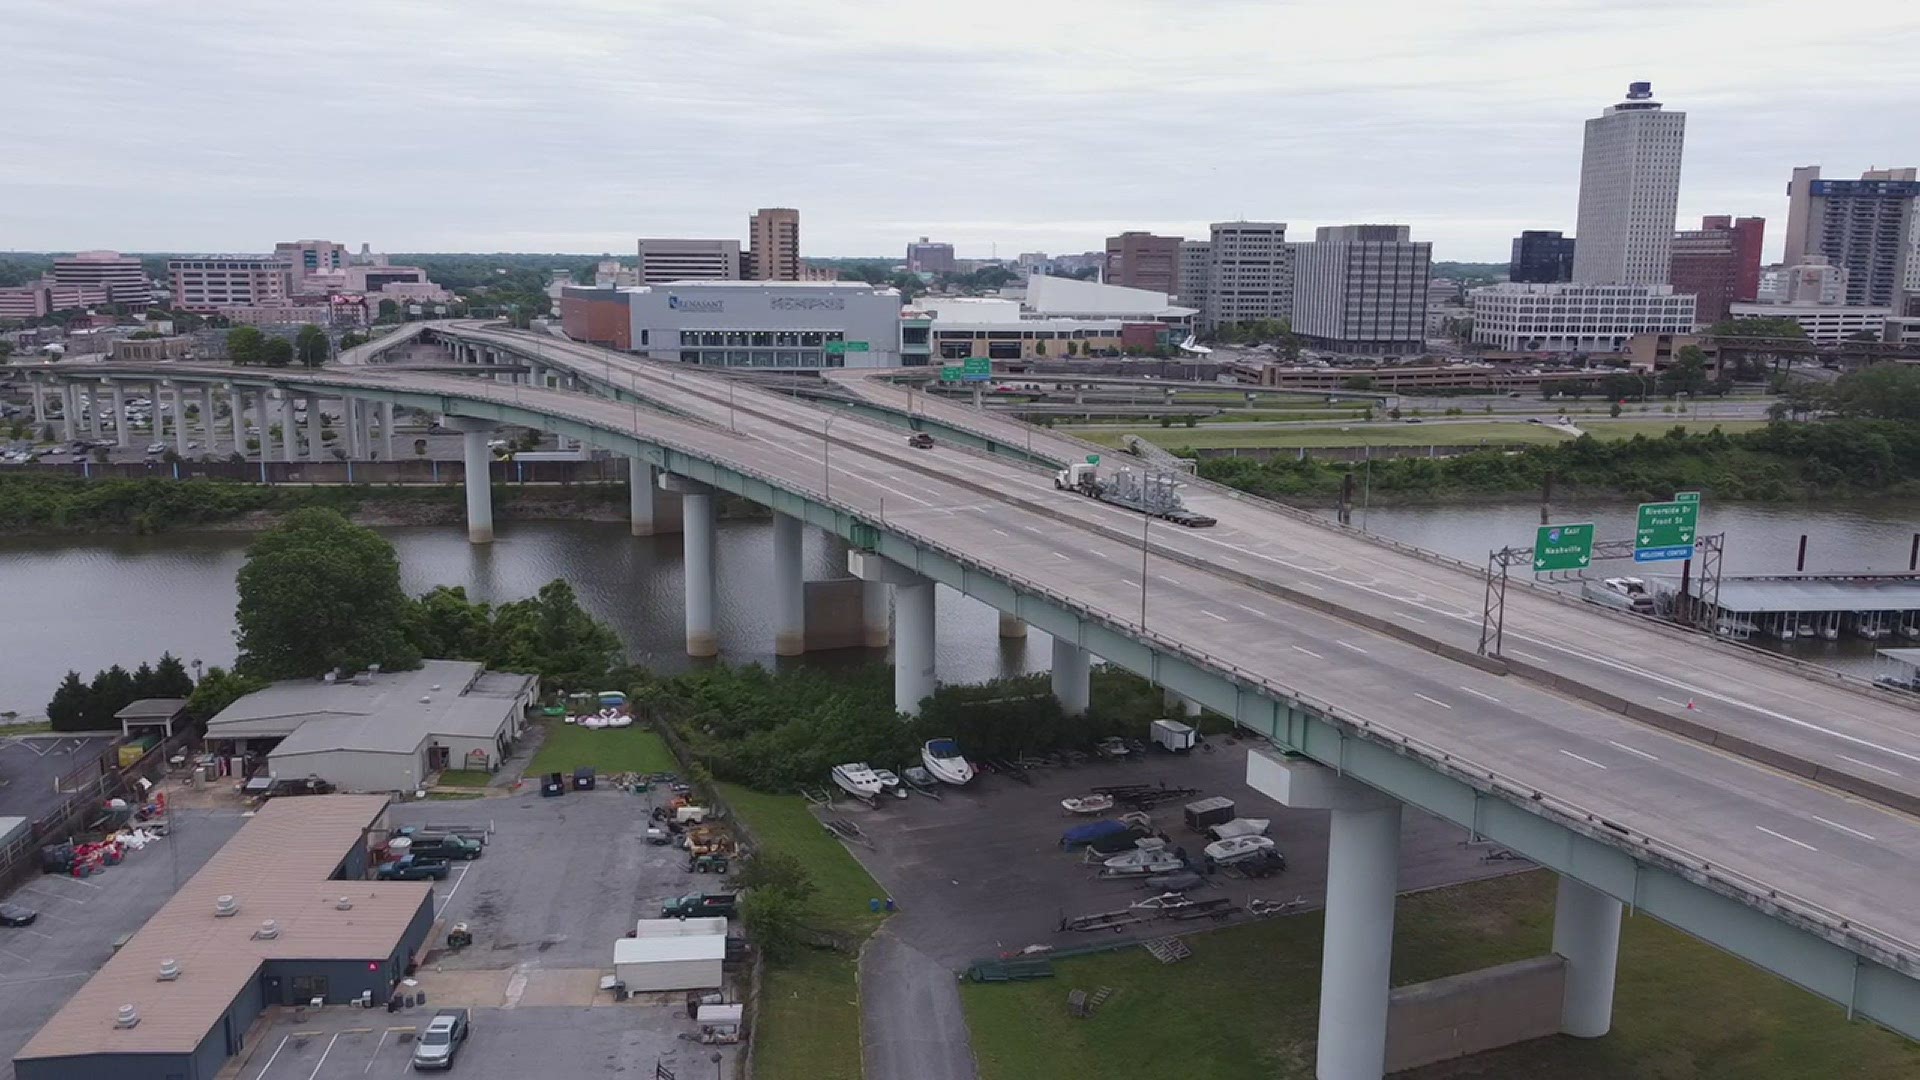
[1670, 701]
[376, 1051]
[1251, 610]
[1003, 532]
[1309, 585]
[1631, 750]
[1211, 615]
[1528, 656]
[1842, 828]
[323, 1057]
[1098, 554]
[1588, 761]
[1057, 555]
[1350, 645]
[1788, 839]
[1433, 701]
[1309, 652]
[1130, 583]
[275, 1054]
[1412, 618]
[1168, 580]
[457, 882]
[1478, 694]
[1867, 765]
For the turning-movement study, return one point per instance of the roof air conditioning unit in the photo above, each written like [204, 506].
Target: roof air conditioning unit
[328, 678]
[226, 907]
[169, 970]
[127, 1017]
[268, 931]
[426, 699]
[343, 904]
[373, 669]
[436, 688]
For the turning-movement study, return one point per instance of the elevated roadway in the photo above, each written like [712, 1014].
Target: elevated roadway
[1351, 652]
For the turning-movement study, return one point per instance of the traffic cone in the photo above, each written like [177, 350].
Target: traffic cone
[1690, 703]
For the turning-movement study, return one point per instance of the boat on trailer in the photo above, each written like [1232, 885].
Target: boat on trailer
[943, 759]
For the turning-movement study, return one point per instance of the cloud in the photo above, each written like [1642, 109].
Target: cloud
[1032, 125]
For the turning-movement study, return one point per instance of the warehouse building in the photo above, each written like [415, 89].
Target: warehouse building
[281, 915]
[381, 730]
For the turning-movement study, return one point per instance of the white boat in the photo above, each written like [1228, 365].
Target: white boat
[1144, 861]
[858, 780]
[1088, 804]
[1241, 826]
[1236, 848]
[1623, 593]
[943, 759]
[890, 783]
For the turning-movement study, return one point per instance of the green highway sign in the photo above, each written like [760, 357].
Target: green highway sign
[976, 369]
[1666, 524]
[950, 373]
[1563, 547]
[1687, 496]
[838, 348]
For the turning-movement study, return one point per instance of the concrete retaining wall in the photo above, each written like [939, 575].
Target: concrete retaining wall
[1479, 1010]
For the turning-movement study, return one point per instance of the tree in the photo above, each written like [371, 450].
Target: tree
[310, 346]
[111, 691]
[773, 870]
[350, 340]
[170, 679]
[1688, 375]
[1039, 348]
[552, 636]
[68, 709]
[773, 918]
[388, 307]
[317, 593]
[1879, 391]
[246, 345]
[1757, 328]
[217, 689]
[277, 352]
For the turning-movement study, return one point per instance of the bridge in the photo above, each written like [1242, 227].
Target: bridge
[1758, 804]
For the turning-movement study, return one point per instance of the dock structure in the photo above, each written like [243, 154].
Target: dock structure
[1787, 607]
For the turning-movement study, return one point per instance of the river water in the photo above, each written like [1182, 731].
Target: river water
[85, 603]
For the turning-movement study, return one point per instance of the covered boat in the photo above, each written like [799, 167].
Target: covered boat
[1238, 847]
[943, 759]
[1241, 826]
[1081, 835]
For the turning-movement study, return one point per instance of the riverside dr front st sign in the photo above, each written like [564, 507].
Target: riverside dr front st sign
[1562, 547]
[1664, 531]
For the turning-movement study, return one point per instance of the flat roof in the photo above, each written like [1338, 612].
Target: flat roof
[391, 712]
[152, 708]
[1786, 594]
[661, 950]
[276, 867]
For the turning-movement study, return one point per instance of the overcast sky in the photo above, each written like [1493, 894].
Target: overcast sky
[998, 125]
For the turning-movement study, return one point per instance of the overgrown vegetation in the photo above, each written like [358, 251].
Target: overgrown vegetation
[780, 730]
[1776, 463]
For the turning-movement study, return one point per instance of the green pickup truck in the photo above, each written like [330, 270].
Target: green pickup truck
[700, 905]
[413, 868]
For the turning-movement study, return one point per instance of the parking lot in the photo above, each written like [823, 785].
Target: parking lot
[29, 764]
[80, 918]
[506, 1044]
[981, 871]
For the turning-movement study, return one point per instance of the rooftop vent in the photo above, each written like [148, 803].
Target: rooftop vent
[426, 699]
[268, 930]
[373, 669]
[169, 970]
[436, 688]
[127, 1017]
[329, 677]
[226, 907]
[343, 904]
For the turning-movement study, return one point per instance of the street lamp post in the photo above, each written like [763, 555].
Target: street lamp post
[826, 455]
[1146, 523]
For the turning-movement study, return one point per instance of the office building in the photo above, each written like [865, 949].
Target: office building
[1825, 324]
[1866, 227]
[23, 302]
[120, 278]
[663, 260]
[1141, 260]
[1814, 281]
[1249, 272]
[1058, 317]
[1629, 187]
[1361, 289]
[211, 282]
[1719, 262]
[1572, 317]
[308, 257]
[926, 257]
[1195, 257]
[1541, 257]
[774, 235]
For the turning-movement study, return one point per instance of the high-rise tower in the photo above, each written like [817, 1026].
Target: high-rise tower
[1629, 189]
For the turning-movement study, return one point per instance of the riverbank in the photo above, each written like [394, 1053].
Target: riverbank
[44, 505]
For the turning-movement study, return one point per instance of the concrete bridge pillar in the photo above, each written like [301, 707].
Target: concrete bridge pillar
[121, 435]
[1072, 676]
[96, 412]
[877, 613]
[70, 411]
[1586, 933]
[237, 417]
[39, 402]
[477, 476]
[289, 439]
[914, 678]
[789, 588]
[386, 429]
[654, 510]
[264, 422]
[1363, 861]
[1012, 627]
[180, 427]
[696, 517]
[209, 427]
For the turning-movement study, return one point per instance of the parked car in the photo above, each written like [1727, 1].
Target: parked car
[15, 915]
[442, 1039]
[157, 448]
[700, 904]
[410, 868]
[446, 847]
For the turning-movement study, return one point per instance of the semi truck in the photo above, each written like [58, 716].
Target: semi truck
[1150, 492]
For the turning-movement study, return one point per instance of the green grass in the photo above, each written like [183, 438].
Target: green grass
[809, 1027]
[454, 796]
[38, 728]
[608, 750]
[842, 886]
[809, 1024]
[1398, 433]
[1244, 1005]
[464, 778]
